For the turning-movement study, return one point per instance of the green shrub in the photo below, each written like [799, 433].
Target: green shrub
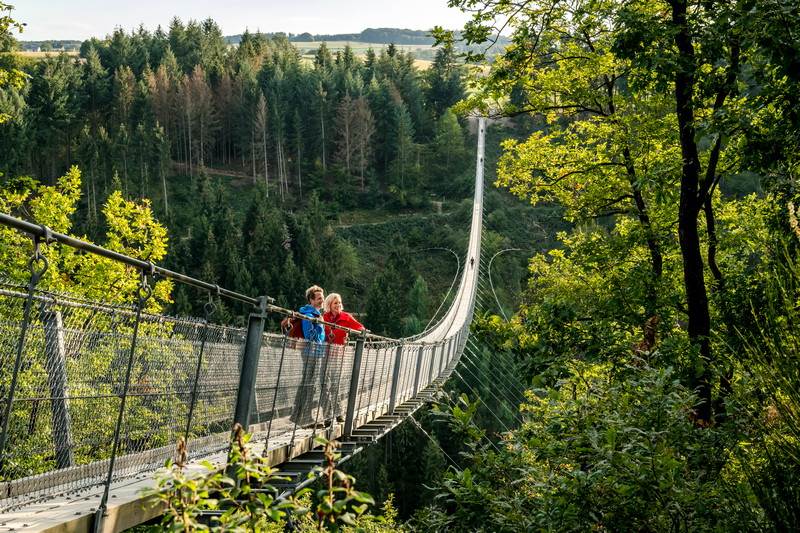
[601, 453]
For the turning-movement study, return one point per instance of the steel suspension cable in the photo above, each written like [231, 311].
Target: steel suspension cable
[504, 399]
[478, 397]
[478, 380]
[504, 385]
[507, 363]
[475, 351]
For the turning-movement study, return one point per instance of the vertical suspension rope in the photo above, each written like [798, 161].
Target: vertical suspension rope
[322, 390]
[143, 294]
[275, 394]
[36, 275]
[209, 309]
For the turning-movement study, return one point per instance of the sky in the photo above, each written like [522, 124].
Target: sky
[81, 19]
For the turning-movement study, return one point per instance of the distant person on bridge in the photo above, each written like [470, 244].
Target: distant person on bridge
[335, 313]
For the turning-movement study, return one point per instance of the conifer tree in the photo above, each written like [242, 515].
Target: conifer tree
[444, 79]
[260, 124]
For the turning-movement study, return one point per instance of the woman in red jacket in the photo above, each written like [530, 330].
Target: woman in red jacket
[337, 338]
[335, 313]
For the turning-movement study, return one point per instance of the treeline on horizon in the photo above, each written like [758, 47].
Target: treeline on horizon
[387, 36]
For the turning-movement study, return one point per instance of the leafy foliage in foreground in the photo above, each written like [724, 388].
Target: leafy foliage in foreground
[599, 452]
[242, 497]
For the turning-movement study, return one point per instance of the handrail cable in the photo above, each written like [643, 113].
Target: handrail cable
[47, 236]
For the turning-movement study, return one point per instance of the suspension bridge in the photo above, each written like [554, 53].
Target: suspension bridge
[95, 396]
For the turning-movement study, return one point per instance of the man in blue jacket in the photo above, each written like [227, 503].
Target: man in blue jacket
[313, 356]
[311, 331]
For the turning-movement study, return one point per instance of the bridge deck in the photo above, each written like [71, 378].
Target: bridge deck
[73, 511]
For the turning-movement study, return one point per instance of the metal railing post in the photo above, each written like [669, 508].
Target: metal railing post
[247, 377]
[433, 360]
[55, 353]
[450, 351]
[349, 418]
[395, 378]
[420, 353]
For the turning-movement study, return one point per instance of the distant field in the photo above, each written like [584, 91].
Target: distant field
[39, 55]
[358, 47]
[308, 49]
[422, 52]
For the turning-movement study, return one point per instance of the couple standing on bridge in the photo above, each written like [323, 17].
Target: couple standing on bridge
[330, 310]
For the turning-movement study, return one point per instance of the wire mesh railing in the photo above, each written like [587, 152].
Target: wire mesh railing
[178, 378]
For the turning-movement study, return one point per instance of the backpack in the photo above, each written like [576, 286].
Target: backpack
[292, 327]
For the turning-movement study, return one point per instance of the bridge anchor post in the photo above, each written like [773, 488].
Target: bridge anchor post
[246, 392]
[55, 353]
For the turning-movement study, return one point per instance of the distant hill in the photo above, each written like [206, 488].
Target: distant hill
[370, 35]
[387, 36]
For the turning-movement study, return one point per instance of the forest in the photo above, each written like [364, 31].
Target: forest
[644, 157]
[250, 155]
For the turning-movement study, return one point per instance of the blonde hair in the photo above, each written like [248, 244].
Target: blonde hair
[311, 291]
[330, 299]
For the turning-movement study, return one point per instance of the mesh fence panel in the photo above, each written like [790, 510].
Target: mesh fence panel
[70, 384]
[300, 384]
[183, 382]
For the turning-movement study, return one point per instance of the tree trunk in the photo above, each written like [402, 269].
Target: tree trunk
[322, 125]
[253, 152]
[189, 142]
[656, 258]
[688, 211]
[299, 177]
[266, 165]
[278, 164]
[362, 161]
[164, 185]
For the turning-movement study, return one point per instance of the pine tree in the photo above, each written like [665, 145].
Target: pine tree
[96, 88]
[124, 90]
[204, 114]
[387, 298]
[444, 80]
[345, 132]
[404, 142]
[260, 121]
[364, 130]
